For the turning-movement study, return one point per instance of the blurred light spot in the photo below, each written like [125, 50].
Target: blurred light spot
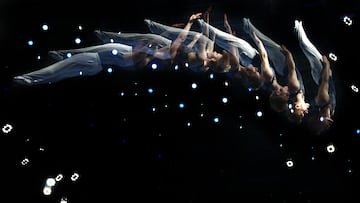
[186, 65]
[30, 43]
[7, 128]
[45, 27]
[47, 190]
[225, 100]
[25, 161]
[194, 85]
[59, 177]
[226, 83]
[154, 66]
[80, 27]
[259, 114]
[181, 105]
[330, 148]
[77, 40]
[63, 200]
[176, 67]
[355, 88]
[74, 176]
[347, 20]
[211, 76]
[114, 52]
[290, 163]
[332, 56]
[216, 119]
[150, 90]
[50, 182]
[68, 55]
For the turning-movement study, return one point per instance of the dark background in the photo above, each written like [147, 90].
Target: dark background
[124, 151]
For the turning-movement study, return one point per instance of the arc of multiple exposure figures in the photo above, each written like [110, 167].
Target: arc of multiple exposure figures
[274, 50]
[275, 53]
[222, 39]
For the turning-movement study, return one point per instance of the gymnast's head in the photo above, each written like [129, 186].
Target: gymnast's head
[278, 99]
[218, 62]
[249, 76]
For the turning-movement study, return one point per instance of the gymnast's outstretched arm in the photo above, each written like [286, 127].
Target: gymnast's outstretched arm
[293, 82]
[322, 96]
[266, 70]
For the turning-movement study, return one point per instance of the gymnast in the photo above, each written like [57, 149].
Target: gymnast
[323, 104]
[91, 60]
[280, 57]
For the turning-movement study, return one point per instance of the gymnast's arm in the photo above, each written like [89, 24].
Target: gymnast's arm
[227, 25]
[293, 82]
[233, 50]
[169, 52]
[322, 96]
[210, 44]
[193, 42]
[266, 71]
[175, 45]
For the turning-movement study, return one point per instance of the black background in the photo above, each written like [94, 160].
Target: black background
[125, 152]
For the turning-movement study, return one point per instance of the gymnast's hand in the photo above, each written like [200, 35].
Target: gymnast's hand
[257, 38]
[325, 60]
[194, 17]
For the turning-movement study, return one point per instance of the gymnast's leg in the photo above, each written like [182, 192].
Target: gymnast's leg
[67, 53]
[273, 49]
[84, 64]
[133, 39]
[226, 41]
[172, 33]
[312, 54]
